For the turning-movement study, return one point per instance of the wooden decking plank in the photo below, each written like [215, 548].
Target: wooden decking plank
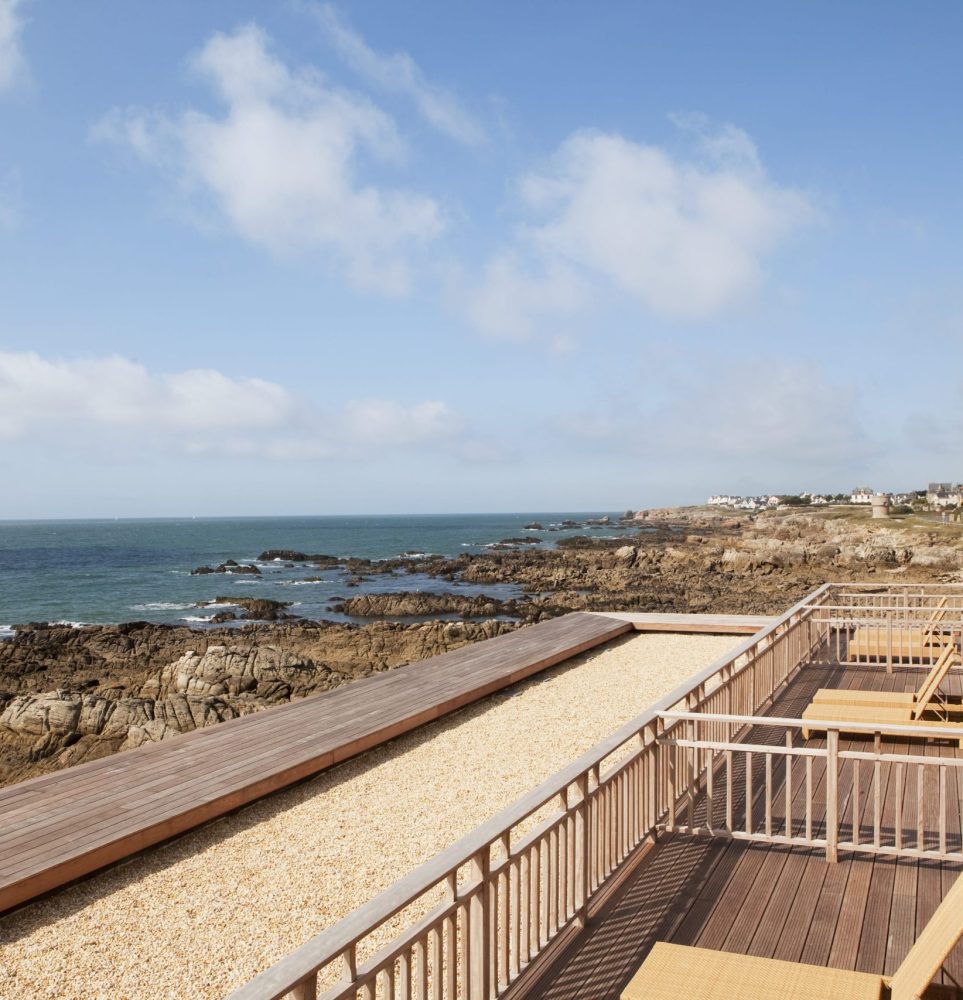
[795, 930]
[744, 922]
[902, 921]
[782, 901]
[710, 893]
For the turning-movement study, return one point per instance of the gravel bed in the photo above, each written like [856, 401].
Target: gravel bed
[203, 914]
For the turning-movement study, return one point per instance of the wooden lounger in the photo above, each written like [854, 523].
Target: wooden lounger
[836, 716]
[871, 642]
[676, 971]
[923, 709]
[900, 649]
[927, 693]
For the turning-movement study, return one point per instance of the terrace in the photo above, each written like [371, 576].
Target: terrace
[708, 820]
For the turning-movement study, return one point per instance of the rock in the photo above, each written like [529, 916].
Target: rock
[534, 526]
[228, 567]
[258, 608]
[625, 554]
[293, 556]
[422, 605]
[70, 695]
[283, 555]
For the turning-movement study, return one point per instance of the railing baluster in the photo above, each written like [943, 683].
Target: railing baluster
[307, 989]
[855, 802]
[877, 805]
[942, 807]
[749, 792]
[788, 783]
[920, 843]
[832, 793]
[729, 790]
[899, 806]
[433, 974]
[769, 795]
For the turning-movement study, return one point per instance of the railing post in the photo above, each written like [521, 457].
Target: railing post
[832, 794]
[581, 887]
[649, 733]
[479, 937]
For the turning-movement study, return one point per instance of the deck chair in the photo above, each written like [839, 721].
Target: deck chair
[924, 709]
[929, 691]
[872, 643]
[673, 971]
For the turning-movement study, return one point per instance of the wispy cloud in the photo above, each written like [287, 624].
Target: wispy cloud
[399, 73]
[282, 166]
[685, 238]
[89, 402]
[12, 61]
[741, 415]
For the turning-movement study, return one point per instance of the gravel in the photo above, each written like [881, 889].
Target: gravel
[205, 913]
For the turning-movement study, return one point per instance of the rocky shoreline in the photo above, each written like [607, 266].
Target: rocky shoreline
[73, 694]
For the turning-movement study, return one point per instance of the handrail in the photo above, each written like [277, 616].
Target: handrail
[886, 729]
[320, 950]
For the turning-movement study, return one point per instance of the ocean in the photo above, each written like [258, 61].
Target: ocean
[86, 572]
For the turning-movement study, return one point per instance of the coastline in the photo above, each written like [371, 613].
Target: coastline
[70, 694]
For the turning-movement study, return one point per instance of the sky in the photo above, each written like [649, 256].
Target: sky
[370, 257]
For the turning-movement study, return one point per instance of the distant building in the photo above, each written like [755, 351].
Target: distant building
[862, 494]
[942, 494]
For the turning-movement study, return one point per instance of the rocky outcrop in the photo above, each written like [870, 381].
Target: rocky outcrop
[74, 694]
[257, 609]
[421, 605]
[293, 556]
[232, 567]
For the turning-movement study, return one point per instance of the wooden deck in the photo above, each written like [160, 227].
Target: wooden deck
[862, 913]
[645, 621]
[61, 826]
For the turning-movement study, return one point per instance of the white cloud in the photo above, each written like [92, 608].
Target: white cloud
[87, 403]
[398, 73]
[687, 239]
[374, 421]
[513, 302]
[746, 416]
[12, 62]
[281, 166]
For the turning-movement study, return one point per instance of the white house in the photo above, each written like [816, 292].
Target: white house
[862, 494]
[943, 494]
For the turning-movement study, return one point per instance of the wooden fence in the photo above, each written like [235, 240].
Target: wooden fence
[780, 791]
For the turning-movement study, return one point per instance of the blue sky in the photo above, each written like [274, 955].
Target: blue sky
[371, 257]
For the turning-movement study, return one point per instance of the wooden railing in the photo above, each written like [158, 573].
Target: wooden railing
[470, 922]
[780, 791]
[870, 596]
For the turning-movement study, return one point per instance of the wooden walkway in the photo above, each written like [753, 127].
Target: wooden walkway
[60, 826]
[861, 913]
[644, 621]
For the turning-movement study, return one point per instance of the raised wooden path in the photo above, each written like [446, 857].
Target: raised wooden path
[61, 826]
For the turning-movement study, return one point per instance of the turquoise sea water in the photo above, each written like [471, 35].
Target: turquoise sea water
[139, 570]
